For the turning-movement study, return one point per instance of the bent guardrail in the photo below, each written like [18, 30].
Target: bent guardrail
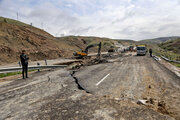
[156, 57]
[170, 60]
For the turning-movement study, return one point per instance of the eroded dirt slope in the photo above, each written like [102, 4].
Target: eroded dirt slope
[38, 43]
[16, 36]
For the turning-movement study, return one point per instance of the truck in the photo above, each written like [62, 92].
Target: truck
[141, 49]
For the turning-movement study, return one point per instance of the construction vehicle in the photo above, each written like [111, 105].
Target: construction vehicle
[84, 53]
[111, 50]
[131, 48]
[141, 49]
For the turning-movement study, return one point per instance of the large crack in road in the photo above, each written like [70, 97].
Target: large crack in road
[135, 78]
[115, 88]
[77, 82]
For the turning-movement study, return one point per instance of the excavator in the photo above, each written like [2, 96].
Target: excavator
[83, 54]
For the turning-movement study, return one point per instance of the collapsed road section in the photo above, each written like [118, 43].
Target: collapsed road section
[77, 82]
[135, 78]
[129, 88]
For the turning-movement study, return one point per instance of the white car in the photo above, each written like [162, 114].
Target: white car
[141, 50]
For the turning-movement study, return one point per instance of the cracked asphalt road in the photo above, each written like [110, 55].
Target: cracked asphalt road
[114, 89]
[134, 77]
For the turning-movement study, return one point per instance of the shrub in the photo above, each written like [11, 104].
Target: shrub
[5, 20]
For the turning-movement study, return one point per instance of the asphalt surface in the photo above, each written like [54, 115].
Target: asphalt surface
[134, 78]
[41, 62]
[109, 91]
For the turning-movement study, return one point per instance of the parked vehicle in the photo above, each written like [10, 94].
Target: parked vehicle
[141, 49]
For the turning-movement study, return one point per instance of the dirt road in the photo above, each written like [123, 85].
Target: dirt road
[112, 91]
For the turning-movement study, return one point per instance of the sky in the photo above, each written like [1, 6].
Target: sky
[117, 19]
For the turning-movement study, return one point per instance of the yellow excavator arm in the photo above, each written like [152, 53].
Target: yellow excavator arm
[85, 52]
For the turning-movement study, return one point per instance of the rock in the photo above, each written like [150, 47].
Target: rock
[117, 99]
[151, 101]
[142, 102]
[64, 110]
[77, 112]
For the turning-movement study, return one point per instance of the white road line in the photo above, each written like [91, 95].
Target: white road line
[102, 79]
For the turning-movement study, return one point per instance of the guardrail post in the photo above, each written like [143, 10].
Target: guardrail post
[38, 64]
[19, 64]
[45, 62]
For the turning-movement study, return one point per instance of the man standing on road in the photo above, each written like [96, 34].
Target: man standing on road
[150, 52]
[24, 62]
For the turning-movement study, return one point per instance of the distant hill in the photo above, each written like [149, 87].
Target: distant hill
[172, 45]
[83, 41]
[126, 42]
[159, 40]
[16, 36]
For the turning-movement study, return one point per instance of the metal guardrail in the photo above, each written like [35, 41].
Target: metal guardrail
[14, 69]
[170, 60]
[156, 58]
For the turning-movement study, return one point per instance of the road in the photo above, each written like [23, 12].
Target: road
[132, 74]
[49, 62]
[134, 77]
[94, 54]
[110, 91]
[42, 62]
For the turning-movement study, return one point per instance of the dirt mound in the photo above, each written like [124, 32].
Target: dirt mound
[16, 36]
[36, 42]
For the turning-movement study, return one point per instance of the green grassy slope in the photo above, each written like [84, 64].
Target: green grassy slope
[173, 46]
[158, 40]
[11, 21]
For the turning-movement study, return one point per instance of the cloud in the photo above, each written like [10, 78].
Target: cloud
[129, 19]
[80, 30]
[69, 5]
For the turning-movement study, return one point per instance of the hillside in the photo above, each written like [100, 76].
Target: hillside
[158, 40]
[16, 36]
[84, 41]
[126, 42]
[173, 46]
[169, 49]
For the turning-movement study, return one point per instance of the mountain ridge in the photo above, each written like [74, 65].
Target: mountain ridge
[159, 39]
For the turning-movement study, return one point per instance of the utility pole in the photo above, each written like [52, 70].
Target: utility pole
[31, 26]
[17, 15]
[42, 25]
[56, 34]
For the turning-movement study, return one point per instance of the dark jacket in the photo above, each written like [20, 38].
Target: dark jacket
[150, 50]
[24, 59]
